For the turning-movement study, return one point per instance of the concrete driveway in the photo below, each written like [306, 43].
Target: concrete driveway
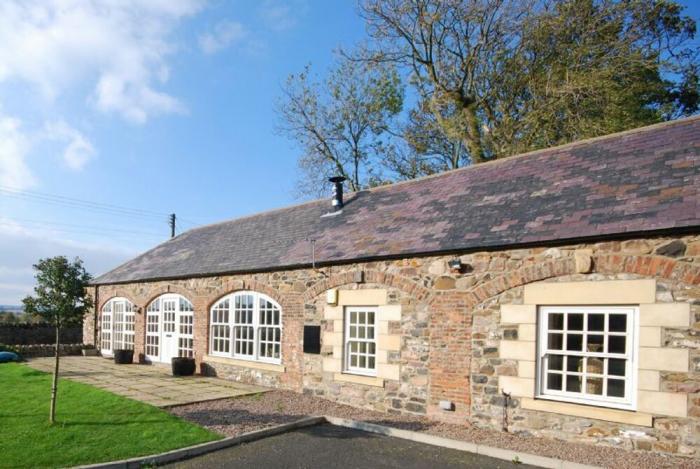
[151, 384]
[328, 446]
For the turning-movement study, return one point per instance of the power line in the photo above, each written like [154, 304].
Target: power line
[90, 232]
[76, 201]
[86, 228]
[90, 206]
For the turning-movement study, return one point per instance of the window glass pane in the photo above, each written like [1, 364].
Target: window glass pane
[574, 342]
[594, 365]
[556, 321]
[575, 322]
[574, 364]
[617, 323]
[596, 322]
[370, 318]
[353, 317]
[616, 344]
[573, 383]
[370, 362]
[616, 367]
[555, 362]
[616, 388]
[594, 386]
[554, 381]
[595, 343]
[555, 341]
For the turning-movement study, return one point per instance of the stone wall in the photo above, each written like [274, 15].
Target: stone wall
[451, 334]
[36, 334]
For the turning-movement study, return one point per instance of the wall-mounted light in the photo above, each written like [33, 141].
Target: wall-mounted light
[455, 264]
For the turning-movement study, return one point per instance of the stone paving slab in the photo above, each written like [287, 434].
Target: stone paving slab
[146, 383]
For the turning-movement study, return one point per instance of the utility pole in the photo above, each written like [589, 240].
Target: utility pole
[172, 225]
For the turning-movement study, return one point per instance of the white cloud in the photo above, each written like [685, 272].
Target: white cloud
[119, 47]
[14, 146]
[221, 36]
[281, 16]
[78, 149]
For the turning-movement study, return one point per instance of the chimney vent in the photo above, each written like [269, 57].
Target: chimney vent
[337, 201]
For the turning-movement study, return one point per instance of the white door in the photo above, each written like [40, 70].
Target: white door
[169, 330]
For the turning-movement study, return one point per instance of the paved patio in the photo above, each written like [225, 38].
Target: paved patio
[151, 384]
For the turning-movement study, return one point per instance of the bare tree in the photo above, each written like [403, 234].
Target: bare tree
[341, 125]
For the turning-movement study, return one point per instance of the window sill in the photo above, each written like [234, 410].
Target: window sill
[245, 363]
[587, 411]
[359, 379]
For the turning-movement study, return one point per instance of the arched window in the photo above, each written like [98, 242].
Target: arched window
[169, 328]
[118, 323]
[247, 325]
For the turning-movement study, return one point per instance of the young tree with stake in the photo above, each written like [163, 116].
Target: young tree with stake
[60, 298]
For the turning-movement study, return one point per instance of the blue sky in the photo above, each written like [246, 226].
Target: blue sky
[154, 105]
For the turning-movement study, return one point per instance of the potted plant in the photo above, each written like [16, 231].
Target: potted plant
[123, 356]
[183, 366]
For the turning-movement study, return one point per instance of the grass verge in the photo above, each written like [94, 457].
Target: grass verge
[92, 425]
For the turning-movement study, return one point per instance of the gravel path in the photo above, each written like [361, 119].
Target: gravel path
[233, 417]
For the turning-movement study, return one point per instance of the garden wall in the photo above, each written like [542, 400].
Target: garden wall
[37, 334]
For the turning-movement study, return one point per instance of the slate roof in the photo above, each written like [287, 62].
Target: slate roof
[644, 180]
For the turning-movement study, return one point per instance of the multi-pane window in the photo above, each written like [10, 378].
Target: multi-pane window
[118, 325]
[247, 325]
[243, 326]
[586, 354]
[169, 310]
[169, 327]
[360, 340]
[185, 341]
[220, 329]
[153, 329]
[270, 330]
[107, 327]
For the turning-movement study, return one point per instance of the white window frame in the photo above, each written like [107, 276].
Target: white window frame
[127, 326]
[629, 402]
[174, 314]
[347, 341]
[217, 311]
[220, 317]
[153, 330]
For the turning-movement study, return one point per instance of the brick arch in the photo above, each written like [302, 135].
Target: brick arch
[647, 266]
[116, 294]
[233, 286]
[370, 276]
[167, 289]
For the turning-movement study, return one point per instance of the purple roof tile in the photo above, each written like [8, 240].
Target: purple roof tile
[638, 181]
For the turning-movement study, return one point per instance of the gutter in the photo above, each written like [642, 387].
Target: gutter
[687, 230]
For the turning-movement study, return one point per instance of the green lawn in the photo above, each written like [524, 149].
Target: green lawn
[92, 425]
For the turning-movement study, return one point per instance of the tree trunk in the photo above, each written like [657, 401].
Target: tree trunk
[54, 385]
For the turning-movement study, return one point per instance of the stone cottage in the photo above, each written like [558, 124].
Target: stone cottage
[555, 293]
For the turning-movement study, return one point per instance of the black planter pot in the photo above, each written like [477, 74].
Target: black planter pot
[183, 366]
[123, 357]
